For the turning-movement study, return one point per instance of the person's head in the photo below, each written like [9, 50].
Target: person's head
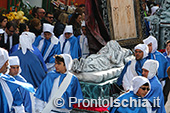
[49, 17]
[83, 27]
[141, 86]
[4, 60]
[168, 47]
[40, 13]
[68, 31]
[23, 27]
[82, 6]
[150, 68]
[63, 18]
[14, 65]
[3, 21]
[152, 43]
[141, 51]
[76, 16]
[11, 26]
[63, 63]
[25, 41]
[47, 31]
[35, 23]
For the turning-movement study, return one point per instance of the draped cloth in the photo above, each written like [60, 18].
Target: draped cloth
[31, 67]
[35, 51]
[97, 33]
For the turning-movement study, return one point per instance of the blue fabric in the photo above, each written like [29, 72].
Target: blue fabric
[15, 93]
[80, 51]
[13, 86]
[120, 79]
[163, 64]
[138, 68]
[64, 45]
[25, 95]
[165, 54]
[3, 102]
[44, 90]
[74, 47]
[156, 91]
[36, 52]
[55, 50]
[128, 109]
[31, 67]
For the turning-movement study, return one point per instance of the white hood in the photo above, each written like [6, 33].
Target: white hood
[152, 40]
[144, 48]
[137, 82]
[152, 67]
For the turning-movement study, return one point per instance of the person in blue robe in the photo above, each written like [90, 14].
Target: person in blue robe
[134, 67]
[140, 89]
[69, 43]
[14, 71]
[10, 98]
[55, 79]
[48, 45]
[35, 50]
[154, 54]
[31, 67]
[150, 68]
[83, 42]
[167, 51]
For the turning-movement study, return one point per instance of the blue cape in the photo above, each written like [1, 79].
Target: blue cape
[165, 54]
[156, 91]
[55, 50]
[80, 51]
[31, 67]
[74, 47]
[44, 90]
[36, 52]
[127, 109]
[25, 95]
[13, 86]
[3, 102]
[163, 64]
[138, 68]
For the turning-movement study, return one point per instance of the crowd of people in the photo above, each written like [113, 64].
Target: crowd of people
[39, 54]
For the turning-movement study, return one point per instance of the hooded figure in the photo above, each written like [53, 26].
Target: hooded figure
[134, 67]
[10, 98]
[27, 43]
[48, 45]
[140, 88]
[14, 68]
[69, 43]
[154, 54]
[32, 69]
[150, 68]
[83, 42]
[56, 80]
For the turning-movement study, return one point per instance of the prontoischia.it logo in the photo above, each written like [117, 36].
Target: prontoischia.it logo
[59, 102]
